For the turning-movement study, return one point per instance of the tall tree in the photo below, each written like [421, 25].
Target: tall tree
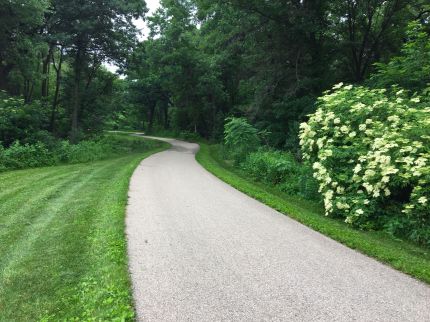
[98, 31]
[175, 71]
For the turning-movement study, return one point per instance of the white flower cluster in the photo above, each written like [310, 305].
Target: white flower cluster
[364, 148]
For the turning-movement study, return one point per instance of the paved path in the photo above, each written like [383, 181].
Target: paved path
[202, 251]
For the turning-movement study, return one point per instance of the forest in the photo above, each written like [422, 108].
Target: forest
[319, 109]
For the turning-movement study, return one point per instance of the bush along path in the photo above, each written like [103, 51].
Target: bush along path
[62, 244]
[201, 250]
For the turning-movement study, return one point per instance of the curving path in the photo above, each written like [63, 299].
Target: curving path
[200, 250]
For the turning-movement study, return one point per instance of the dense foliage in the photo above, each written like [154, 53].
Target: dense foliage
[21, 121]
[240, 138]
[51, 54]
[267, 61]
[411, 69]
[280, 169]
[20, 156]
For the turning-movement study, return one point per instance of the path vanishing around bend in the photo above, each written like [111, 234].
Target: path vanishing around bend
[199, 250]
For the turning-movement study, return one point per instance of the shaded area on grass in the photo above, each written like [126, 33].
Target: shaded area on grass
[402, 255]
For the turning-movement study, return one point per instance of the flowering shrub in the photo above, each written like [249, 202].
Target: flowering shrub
[370, 152]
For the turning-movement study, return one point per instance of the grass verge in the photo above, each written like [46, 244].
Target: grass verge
[62, 243]
[402, 255]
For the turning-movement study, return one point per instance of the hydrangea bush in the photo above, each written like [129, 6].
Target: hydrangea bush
[370, 151]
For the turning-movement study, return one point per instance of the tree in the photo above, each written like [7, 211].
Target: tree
[276, 53]
[20, 44]
[411, 69]
[97, 31]
[369, 30]
[171, 70]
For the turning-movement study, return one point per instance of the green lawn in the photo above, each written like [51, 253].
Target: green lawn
[402, 255]
[62, 243]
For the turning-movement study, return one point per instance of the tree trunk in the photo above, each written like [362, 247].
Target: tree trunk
[142, 124]
[57, 91]
[45, 72]
[28, 91]
[4, 75]
[151, 113]
[166, 115]
[76, 96]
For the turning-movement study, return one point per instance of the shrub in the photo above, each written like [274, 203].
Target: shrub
[370, 152]
[122, 144]
[240, 138]
[85, 151]
[20, 121]
[19, 156]
[191, 136]
[282, 170]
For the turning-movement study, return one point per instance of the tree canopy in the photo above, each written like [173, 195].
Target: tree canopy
[203, 61]
[266, 61]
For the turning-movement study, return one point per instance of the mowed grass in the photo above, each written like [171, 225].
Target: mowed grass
[402, 255]
[62, 241]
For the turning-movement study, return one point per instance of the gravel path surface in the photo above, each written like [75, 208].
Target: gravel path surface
[200, 250]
